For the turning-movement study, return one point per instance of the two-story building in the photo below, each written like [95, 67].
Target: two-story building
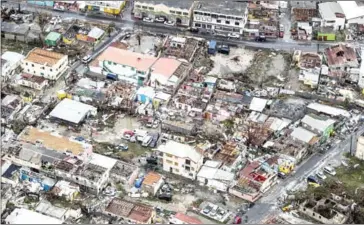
[44, 63]
[332, 15]
[179, 12]
[180, 159]
[10, 61]
[128, 66]
[225, 16]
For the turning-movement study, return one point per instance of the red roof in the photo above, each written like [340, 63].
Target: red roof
[187, 219]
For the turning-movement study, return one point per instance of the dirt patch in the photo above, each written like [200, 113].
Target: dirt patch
[237, 62]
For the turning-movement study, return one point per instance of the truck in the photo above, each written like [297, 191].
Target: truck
[212, 47]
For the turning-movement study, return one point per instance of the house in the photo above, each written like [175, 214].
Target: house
[32, 81]
[258, 104]
[180, 159]
[28, 33]
[152, 183]
[130, 212]
[10, 61]
[72, 111]
[44, 63]
[168, 73]
[179, 12]
[214, 177]
[107, 7]
[353, 10]
[124, 172]
[180, 218]
[145, 94]
[161, 99]
[332, 15]
[328, 110]
[66, 189]
[303, 135]
[26, 216]
[341, 57]
[10, 105]
[95, 34]
[128, 66]
[309, 77]
[53, 38]
[320, 125]
[226, 16]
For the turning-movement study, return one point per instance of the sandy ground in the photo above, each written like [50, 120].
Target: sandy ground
[225, 65]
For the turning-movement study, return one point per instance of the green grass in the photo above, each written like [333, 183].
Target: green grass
[135, 150]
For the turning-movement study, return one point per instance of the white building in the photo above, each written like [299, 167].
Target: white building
[361, 71]
[32, 81]
[353, 10]
[211, 176]
[178, 12]
[359, 153]
[43, 63]
[26, 216]
[128, 66]
[9, 62]
[72, 111]
[332, 15]
[226, 16]
[180, 159]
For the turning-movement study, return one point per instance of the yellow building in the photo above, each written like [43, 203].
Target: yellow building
[108, 7]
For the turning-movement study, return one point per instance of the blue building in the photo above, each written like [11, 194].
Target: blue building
[42, 3]
[145, 94]
[45, 182]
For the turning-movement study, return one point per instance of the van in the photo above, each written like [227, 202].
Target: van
[140, 134]
[146, 141]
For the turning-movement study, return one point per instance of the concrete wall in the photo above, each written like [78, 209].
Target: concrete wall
[178, 166]
[359, 153]
[48, 72]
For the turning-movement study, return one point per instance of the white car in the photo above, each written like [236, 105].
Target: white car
[147, 19]
[321, 175]
[220, 35]
[330, 170]
[169, 23]
[234, 35]
[159, 20]
[86, 59]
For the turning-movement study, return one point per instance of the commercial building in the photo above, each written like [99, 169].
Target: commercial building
[179, 12]
[332, 15]
[353, 10]
[220, 16]
[107, 7]
[25, 216]
[180, 159]
[43, 63]
[53, 38]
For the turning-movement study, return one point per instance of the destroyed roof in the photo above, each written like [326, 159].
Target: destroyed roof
[329, 10]
[329, 110]
[152, 178]
[136, 60]
[135, 211]
[123, 169]
[10, 27]
[303, 135]
[44, 57]
[166, 67]
[96, 33]
[101, 160]
[71, 110]
[35, 154]
[340, 54]
[258, 104]
[187, 219]
[50, 140]
[180, 150]
[48, 209]
[215, 173]
[185, 4]
[26, 216]
[32, 78]
[317, 123]
[222, 7]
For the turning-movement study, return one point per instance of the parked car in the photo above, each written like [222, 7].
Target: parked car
[330, 170]
[193, 30]
[234, 35]
[160, 20]
[123, 147]
[86, 59]
[154, 141]
[146, 141]
[148, 20]
[132, 139]
[220, 34]
[207, 209]
[282, 175]
[260, 38]
[169, 23]
[321, 175]
[214, 210]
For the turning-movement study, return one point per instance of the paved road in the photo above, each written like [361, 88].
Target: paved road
[278, 44]
[268, 204]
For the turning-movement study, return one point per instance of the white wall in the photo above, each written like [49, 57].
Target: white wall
[48, 72]
[9, 67]
[124, 72]
[338, 23]
[360, 148]
[179, 167]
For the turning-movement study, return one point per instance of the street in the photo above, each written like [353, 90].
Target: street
[279, 44]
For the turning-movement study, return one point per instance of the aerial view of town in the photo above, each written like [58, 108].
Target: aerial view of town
[182, 112]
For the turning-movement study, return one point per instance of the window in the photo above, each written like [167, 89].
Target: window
[28, 70]
[114, 64]
[209, 26]
[32, 65]
[178, 12]
[109, 62]
[26, 63]
[227, 22]
[133, 69]
[42, 68]
[190, 174]
[197, 25]
[176, 164]
[171, 11]
[176, 170]
[218, 21]
[207, 14]
[185, 14]
[188, 162]
[138, 6]
[197, 13]
[313, 214]
[188, 168]
[214, 16]
[237, 23]
[144, 7]
[42, 74]
[151, 8]
[169, 155]
[50, 70]
[123, 66]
